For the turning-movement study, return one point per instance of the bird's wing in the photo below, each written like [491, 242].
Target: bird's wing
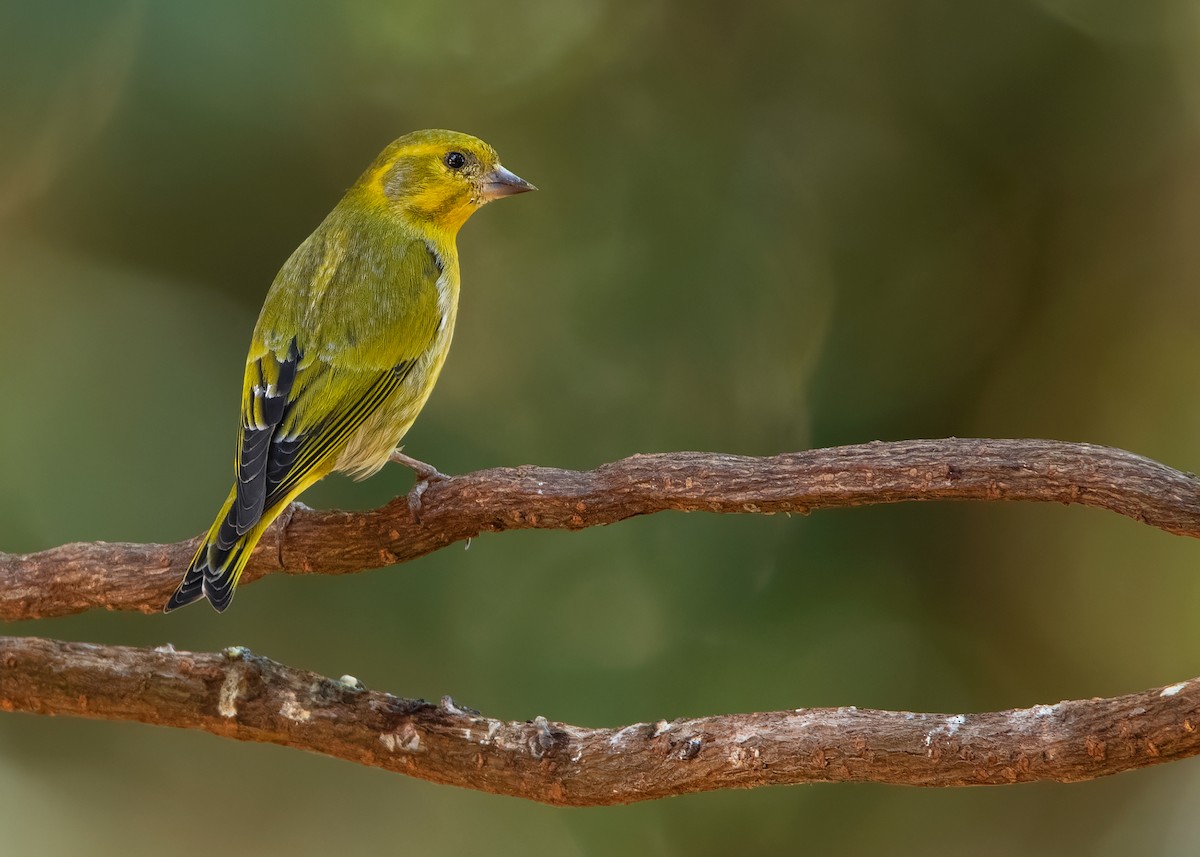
[305, 396]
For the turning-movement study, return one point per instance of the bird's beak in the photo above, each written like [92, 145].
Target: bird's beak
[500, 182]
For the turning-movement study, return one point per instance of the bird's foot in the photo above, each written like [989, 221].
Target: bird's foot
[426, 474]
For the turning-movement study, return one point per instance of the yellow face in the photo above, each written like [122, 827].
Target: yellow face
[441, 177]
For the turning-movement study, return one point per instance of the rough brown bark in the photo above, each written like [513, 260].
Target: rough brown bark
[250, 698]
[243, 696]
[75, 577]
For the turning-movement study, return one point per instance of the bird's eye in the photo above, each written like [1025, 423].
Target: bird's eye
[456, 160]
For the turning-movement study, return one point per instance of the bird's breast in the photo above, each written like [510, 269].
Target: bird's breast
[370, 447]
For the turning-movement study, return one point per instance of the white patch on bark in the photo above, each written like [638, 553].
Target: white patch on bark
[230, 689]
[404, 740]
[293, 710]
[621, 734]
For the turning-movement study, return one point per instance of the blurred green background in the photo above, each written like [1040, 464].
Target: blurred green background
[762, 227]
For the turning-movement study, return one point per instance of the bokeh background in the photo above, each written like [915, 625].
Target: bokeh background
[762, 227]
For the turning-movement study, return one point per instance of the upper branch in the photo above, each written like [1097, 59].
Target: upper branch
[251, 698]
[76, 577]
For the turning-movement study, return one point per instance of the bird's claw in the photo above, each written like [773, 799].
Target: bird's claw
[426, 474]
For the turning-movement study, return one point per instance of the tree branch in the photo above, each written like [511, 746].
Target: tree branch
[250, 698]
[75, 577]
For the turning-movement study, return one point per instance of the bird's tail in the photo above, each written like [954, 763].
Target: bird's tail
[214, 571]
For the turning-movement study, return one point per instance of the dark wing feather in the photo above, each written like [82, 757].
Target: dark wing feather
[273, 463]
[264, 407]
[276, 475]
[292, 459]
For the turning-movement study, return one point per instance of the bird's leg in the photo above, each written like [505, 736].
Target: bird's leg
[426, 474]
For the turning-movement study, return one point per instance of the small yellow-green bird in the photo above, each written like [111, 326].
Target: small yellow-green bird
[350, 340]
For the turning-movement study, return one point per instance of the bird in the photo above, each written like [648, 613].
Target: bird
[350, 340]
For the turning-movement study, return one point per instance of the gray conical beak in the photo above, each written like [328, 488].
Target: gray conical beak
[500, 182]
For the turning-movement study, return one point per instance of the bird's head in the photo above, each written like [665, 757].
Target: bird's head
[440, 177]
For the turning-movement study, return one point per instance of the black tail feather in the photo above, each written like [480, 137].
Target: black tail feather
[222, 570]
[191, 589]
[212, 574]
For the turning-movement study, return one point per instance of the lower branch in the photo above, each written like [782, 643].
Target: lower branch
[76, 577]
[239, 695]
